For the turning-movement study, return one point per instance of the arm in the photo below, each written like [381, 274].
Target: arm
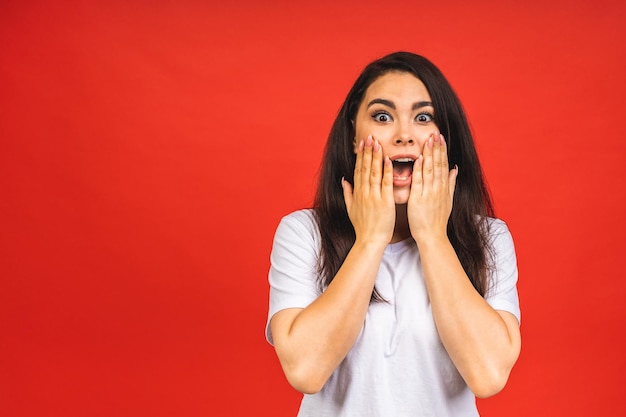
[311, 342]
[483, 343]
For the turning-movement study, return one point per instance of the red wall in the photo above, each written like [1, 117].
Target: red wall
[148, 150]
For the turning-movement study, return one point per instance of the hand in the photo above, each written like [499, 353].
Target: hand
[370, 204]
[432, 191]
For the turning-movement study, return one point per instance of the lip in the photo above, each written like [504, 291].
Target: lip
[403, 181]
[400, 156]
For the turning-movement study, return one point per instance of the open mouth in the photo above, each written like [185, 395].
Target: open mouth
[402, 168]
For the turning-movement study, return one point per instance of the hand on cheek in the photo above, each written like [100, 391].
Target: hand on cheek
[369, 202]
[432, 191]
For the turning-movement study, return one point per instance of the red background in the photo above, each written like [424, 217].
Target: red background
[148, 150]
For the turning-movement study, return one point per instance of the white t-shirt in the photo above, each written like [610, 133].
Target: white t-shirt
[398, 366]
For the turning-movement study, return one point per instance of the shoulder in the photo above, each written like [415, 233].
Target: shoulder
[500, 236]
[300, 221]
[496, 226]
[304, 217]
[299, 225]
[502, 291]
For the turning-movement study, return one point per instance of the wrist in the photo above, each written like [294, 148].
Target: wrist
[370, 245]
[431, 240]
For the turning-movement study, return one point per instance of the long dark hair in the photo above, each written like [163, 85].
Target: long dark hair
[468, 226]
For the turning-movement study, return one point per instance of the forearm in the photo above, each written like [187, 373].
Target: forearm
[482, 343]
[312, 342]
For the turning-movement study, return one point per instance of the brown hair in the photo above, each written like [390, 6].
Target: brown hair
[468, 227]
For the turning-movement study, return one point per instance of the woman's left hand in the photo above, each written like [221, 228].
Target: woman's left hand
[432, 191]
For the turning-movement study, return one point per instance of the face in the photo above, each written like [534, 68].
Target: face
[397, 111]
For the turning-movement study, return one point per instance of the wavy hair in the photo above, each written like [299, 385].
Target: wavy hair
[468, 226]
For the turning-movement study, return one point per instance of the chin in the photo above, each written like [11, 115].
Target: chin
[401, 196]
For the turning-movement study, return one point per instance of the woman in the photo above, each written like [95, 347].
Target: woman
[396, 294]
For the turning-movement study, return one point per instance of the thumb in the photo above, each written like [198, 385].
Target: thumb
[347, 192]
[454, 173]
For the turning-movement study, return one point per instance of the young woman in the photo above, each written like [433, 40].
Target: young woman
[396, 294]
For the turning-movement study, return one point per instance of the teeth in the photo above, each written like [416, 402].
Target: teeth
[403, 160]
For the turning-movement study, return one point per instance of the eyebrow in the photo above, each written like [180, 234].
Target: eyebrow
[389, 103]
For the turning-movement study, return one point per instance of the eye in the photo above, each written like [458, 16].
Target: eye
[382, 117]
[424, 117]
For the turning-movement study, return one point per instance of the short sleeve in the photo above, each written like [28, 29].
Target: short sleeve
[293, 265]
[502, 292]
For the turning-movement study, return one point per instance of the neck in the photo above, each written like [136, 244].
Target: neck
[401, 231]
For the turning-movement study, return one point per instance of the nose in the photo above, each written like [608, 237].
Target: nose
[405, 133]
[407, 136]
[404, 139]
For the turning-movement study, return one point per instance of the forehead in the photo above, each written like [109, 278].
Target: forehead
[398, 87]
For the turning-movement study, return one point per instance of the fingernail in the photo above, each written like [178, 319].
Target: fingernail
[442, 138]
[361, 145]
[376, 146]
[369, 141]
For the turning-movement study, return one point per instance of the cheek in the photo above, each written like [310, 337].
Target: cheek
[361, 130]
[383, 134]
[383, 137]
[425, 133]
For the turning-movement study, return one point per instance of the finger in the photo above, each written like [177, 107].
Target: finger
[452, 176]
[387, 181]
[366, 163]
[443, 162]
[427, 165]
[347, 193]
[357, 167]
[438, 175]
[417, 180]
[376, 170]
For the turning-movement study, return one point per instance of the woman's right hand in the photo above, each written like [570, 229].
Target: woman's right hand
[311, 342]
[370, 203]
